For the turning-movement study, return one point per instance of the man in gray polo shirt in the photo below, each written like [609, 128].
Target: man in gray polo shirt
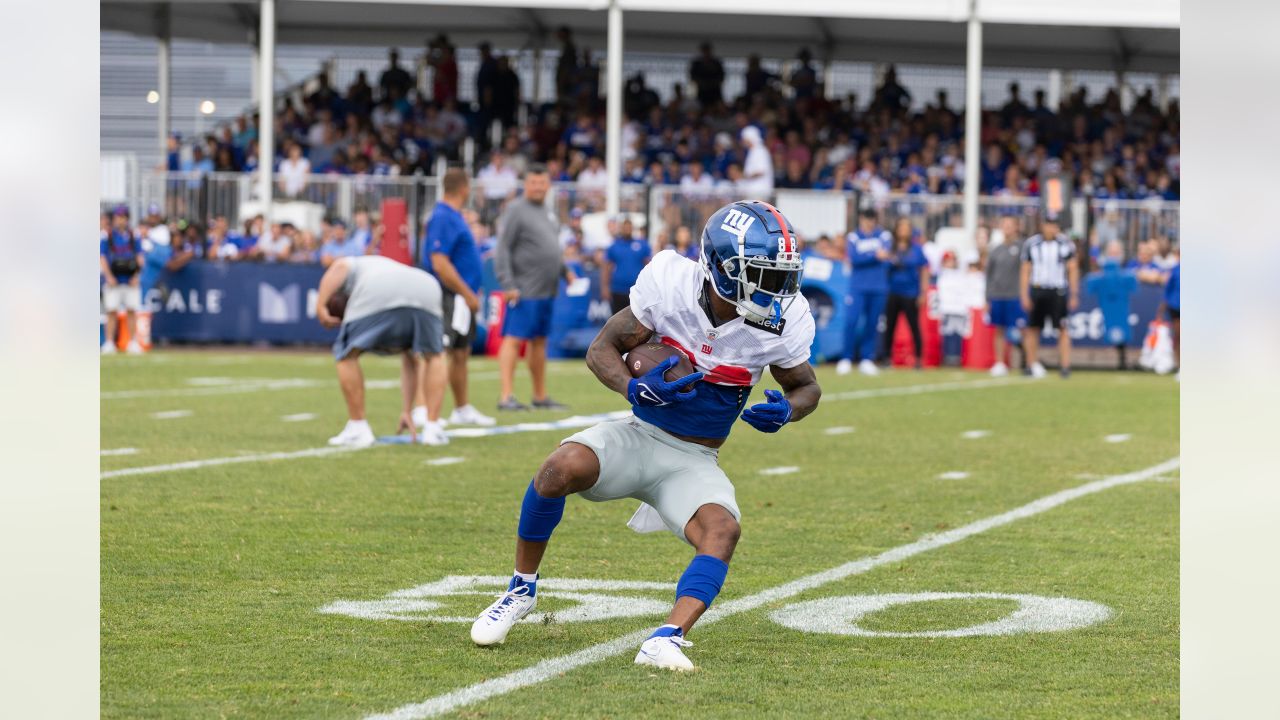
[1004, 309]
[385, 307]
[529, 264]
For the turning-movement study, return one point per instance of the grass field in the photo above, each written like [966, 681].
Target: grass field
[213, 575]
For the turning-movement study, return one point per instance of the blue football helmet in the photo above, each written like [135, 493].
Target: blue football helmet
[751, 257]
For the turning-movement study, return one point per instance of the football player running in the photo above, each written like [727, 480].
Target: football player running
[732, 313]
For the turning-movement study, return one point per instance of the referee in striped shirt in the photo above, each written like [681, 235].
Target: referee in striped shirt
[1050, 289]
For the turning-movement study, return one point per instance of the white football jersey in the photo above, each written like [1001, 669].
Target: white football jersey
[665, 298]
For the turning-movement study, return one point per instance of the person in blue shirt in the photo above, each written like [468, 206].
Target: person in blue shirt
[339, 245]
[157, 251]
[450, 253]
[869, 254]
[121, 262]
[1114, 286]
[1173, 306]
[623, 261]
[908, 268]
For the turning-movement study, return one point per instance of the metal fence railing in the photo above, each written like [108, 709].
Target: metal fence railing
[666, 208]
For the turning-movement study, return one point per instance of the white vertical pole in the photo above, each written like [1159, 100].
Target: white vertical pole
[536, 98]
[266, 103]
[162, 84]
[1053, 95]
[613, 110]
[972, 124]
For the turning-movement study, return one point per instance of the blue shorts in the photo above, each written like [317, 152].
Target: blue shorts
[1007, 314]
[528, 318]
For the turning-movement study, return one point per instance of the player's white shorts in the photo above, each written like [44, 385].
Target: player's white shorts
[638, 460]
[121, 296]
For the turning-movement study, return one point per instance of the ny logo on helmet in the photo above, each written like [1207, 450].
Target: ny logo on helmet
[737, 222]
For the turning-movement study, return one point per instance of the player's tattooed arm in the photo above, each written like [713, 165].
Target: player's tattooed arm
[619, 335]
[800, 387]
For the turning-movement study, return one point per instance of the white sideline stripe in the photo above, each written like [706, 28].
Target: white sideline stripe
[548, 669]
[195, 464]
[118, 451]
[920, 389]
[572, 421]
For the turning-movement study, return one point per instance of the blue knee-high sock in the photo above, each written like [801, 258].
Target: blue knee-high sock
[539, 516]
[702, 579]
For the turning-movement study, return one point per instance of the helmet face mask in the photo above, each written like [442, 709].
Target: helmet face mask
[760, 277]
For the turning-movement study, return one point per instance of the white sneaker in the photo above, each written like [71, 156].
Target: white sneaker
[354, 436]
[495, 622]
[844, 367]
[999, 370]
[133, 348]
[469, 415]
[665, 652]
[433, 434]
[1037, 370]
[108, 348]
[866, 367]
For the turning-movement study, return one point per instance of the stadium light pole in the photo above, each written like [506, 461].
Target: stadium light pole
[162, 82]
[266, 103]
[972, 123]
[613, 111]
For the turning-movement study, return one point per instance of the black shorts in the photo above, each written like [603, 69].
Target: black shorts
[617, 301]
[454, 340]
[1048, 304]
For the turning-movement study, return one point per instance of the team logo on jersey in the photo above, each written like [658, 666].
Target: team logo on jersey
[767, 326]
[737, 222]
[706, 349]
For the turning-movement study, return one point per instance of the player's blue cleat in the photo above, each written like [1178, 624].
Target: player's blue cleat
[665, 649]
[495, 622]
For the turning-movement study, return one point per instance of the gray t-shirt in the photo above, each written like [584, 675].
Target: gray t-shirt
[529, 258]
[375, 283]
[1004, 271]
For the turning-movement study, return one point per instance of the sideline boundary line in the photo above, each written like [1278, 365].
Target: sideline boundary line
[551, 668]
[574, 421]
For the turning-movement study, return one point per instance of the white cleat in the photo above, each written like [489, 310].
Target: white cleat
[469, 415]
[1037, 370]
[495, 622]
[866, 367]
[433, 434]
[354, 436]
[133, 348]
[665, 652]
[108, 348]
[844, 367]
[999, 370]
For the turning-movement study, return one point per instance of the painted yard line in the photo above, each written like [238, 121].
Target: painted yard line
[1117, 438]
[953, 475]
[298, 417]
[921, 389]
[171, 414]
[783, 470]
[117, 451]
[549, 669]
[447, 460]
[210, 462]
[576, 421]
[975, 434]
[838, 430]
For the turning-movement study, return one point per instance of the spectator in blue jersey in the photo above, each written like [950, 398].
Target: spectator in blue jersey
[1113, 286]
[339, 245]
[157, 251]
[623, 261]
[1173, 306]
[121, 262]
[869, 254]
[450, 253]
[908, 270]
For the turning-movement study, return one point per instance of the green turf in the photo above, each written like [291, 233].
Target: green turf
[211, 578]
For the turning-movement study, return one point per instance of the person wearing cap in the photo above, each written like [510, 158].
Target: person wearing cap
[451, 255]
[121, 262]
[339, 245]
[1050, 288]
[757, 169]
[623, 261]
[870, 254]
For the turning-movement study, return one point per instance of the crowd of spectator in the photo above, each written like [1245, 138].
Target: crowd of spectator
[782, 132]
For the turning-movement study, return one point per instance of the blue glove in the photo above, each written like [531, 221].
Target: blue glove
[653, 390]
[769, 416]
